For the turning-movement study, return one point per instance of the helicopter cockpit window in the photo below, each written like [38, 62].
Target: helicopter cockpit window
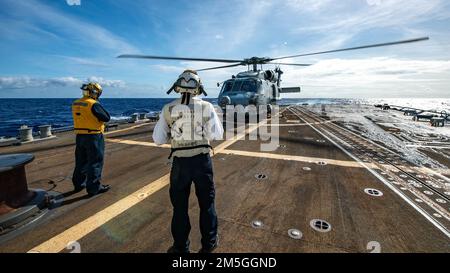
[237, 85]
[240, 86]
[249, 86]
[227, 86]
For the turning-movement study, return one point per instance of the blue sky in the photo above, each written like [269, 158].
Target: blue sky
[48, 48]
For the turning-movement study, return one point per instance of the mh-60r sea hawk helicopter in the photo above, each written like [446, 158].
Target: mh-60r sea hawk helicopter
[257, 86]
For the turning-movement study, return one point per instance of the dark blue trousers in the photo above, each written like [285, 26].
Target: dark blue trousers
[89, 153]
[197, 169]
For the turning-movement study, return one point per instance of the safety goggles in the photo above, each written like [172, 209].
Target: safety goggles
[188, 84]
[188, 80]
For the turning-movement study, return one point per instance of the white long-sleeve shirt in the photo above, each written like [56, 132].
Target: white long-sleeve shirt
[162, 130]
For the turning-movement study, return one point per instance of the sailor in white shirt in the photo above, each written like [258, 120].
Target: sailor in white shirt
[190, 123]
[161, 132]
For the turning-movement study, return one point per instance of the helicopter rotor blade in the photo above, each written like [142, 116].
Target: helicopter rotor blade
[219, 67]
[356, 48]
[291, 64]
[135, 56]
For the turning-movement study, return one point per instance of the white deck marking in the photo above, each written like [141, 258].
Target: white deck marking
[292, 124]
[127, 129]
[381, 178]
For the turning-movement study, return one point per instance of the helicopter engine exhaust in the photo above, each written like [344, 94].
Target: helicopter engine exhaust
[290, 90]
[270, 75]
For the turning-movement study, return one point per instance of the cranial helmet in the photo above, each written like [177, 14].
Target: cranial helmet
[188, 82]
[92, 89]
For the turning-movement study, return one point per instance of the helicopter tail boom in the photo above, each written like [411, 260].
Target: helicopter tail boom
[290, 90]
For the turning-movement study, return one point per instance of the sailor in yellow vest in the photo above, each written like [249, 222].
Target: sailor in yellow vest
[89, 119]
[190, 123]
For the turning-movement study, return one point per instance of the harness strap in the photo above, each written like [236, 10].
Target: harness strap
[185, 98]
[85, 129]
[188, 98]
[172, 150]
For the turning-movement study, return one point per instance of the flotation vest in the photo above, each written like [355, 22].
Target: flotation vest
[83, 119]
[193, 141]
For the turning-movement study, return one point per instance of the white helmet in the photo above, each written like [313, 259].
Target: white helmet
[188, 82]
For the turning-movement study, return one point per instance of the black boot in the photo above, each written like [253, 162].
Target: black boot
[102, 189]
[174, 250]
[210, 249]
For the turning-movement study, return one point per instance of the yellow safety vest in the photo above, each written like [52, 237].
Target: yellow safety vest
[84, 121]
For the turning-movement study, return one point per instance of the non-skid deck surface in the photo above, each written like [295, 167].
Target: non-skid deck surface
[295, 191]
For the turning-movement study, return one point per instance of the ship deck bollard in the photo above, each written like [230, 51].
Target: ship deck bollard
[45, 131]
[13, 181]
[134, 117]
[25, 133]
[18, 203]
[142, 116]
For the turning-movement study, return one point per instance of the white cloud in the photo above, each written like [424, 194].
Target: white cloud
[30, 82]
[388, 13]
[25, 82]
[370, 77]
[107, 83]
[73, 2]
[63, 81]
[219, 37]
[372, 68]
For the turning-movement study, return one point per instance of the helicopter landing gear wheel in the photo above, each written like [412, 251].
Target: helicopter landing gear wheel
[269, 111]
[264, 114]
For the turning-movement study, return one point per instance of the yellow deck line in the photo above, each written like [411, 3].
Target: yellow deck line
[83, 228]
[126, 129]
[134, 142]
[222, 149]
[78, 231]
[294, 158]
[217, 149]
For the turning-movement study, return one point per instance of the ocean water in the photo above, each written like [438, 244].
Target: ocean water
[57, 112]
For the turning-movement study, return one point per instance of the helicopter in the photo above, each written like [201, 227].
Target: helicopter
[257, 86]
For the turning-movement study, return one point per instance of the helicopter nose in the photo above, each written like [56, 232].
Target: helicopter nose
[253, 98]
[224, 101]
[241, 99]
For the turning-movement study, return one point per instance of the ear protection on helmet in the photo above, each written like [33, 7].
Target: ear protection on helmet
[202, 90]
[92, 89]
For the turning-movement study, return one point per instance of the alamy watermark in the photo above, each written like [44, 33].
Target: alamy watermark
[194, 123]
